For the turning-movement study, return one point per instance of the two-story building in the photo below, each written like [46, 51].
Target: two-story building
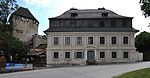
[87, 36]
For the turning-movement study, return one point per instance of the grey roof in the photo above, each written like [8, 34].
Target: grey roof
[90, 13]
[91, 29]
[24, 12]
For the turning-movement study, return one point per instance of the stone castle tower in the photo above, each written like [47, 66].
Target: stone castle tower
[25, 25]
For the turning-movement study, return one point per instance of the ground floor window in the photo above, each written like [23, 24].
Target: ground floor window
[56, 55]
[67, 54]
[125, 55]
[102, 54]
[78, 54]
[114, 54]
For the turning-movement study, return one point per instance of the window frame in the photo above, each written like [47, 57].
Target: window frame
[55, 42]
[89, 41]
[79, 41]
[67, 41]
[125, 41]
[124, 55]
[101, 23]
[113, 23]
[67, 55]
[113, 40]
[79, 54]
[102, 54]
[114, 54]
[56, 55]
[102, 41]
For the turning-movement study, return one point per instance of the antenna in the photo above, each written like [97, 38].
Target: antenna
[73, 3]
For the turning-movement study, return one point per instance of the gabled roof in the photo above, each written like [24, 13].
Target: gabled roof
[90, 13]
[24, 12]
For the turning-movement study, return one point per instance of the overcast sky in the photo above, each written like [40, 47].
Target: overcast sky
[44, 9]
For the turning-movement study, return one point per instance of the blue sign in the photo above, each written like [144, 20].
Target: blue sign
[13, 66]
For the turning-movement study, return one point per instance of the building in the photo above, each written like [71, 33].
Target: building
[90, 36]
[24, 24]
[39, 40]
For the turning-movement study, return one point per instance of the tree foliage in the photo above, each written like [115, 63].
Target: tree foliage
[142, 43]
[10, 45]
[6, 8]
[145, 7]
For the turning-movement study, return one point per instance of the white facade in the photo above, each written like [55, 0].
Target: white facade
[90, 36]
[96, 47]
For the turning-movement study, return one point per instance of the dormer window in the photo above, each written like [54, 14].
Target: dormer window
[74, 14]
[105, 14]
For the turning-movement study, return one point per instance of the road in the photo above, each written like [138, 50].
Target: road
[91, 71]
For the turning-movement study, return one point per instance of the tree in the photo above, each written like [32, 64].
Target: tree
[10, 45]
[6, 8]
[142, 43]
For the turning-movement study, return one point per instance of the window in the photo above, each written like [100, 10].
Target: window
[67, 54]
[113, 40]
[67, 40]
[101, 24]
[90, 40]
[114, 54]
[125, 40]
[79, 40]
[125, 54]
[124, 23]
[56, 40]
[113, 23]
[78, 54]
[102, 54]
[102, 40]
[105, 14]
[73, 23]
[74, 14]
[56, 55]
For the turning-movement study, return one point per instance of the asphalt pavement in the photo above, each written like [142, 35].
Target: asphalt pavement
[90, 71]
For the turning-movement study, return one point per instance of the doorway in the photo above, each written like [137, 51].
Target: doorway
[90, 57]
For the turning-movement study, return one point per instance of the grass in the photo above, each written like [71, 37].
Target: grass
[142, 73]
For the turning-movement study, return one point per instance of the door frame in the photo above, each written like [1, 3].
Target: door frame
[93, 57]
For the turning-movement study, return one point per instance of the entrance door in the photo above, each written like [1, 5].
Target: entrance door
[90, 57]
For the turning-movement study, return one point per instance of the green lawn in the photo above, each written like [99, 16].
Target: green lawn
[142, 73]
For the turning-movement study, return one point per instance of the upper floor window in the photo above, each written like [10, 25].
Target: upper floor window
[102, 54]
[67, 54]
[114, 54]
[124, 23]
[90, 40]
[113, 40]
[102, 40]
[73, 23]
[56, 23]
[125, 55]
[56, 40]
[79, 40]
[125, 40]
[101, 24]
[113, 24]
[56, 55]
[67, 40]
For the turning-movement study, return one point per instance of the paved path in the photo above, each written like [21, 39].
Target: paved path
[93, 71]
